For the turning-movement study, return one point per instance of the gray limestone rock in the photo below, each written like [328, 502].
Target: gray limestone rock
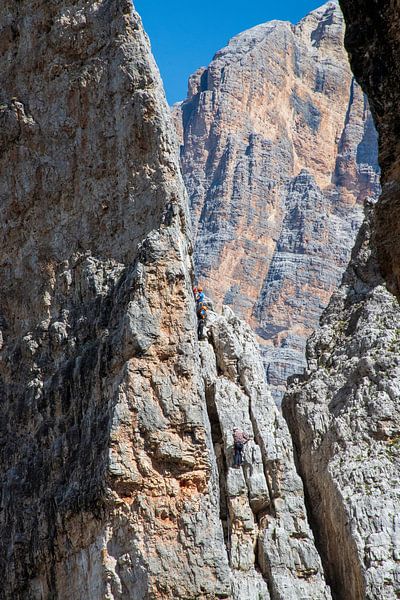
[345, 423]
[262, 503]
[108, 485]
[278, 153]
[344, 414]
[115, 429]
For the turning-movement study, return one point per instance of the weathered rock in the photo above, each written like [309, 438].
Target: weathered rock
[372, 42]
[345, 424]
[108, 484]
[262, 504]
[278, 155]
[344, 417]
[115, 431]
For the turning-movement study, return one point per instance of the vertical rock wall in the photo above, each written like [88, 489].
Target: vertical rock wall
[115, 449]
[107, 487]
[268, 539]
[279, 153]
[345, 424]
[372, 43]
[345, 417]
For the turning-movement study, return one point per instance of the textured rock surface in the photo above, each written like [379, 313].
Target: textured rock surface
[115, 428]
[107, 483]
[372, 41]
[115, 449]
[345, 417]
[345, 422]
[278, 155]
[268, 540]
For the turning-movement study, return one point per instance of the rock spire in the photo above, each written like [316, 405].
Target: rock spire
[104, 455]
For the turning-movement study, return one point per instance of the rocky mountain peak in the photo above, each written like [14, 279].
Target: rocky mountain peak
[323, 27]
[278, 154]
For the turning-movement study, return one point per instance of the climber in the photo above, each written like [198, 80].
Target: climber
[201, 317]
[200, 295]
[239, 440]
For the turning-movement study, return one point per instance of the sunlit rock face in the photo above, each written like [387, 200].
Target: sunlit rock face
[344, 415]
[115, 429]
[270, 546]
[116, 450]
[278, 153]
[345, 423]
[105, 465]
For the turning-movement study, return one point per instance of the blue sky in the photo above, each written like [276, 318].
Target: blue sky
[186, 35]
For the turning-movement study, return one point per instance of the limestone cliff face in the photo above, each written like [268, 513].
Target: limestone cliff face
[345, 423]
[115, 427]
[107, 486]
[268, 539]
[278, 155]
[344, 416]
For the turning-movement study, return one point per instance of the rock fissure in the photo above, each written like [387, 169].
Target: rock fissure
[262, 516]
[230, 518]
[331, 552]
[341, 416]
[266, 466]
[115, 466]
[222, 465]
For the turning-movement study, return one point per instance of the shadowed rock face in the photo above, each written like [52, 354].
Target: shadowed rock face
[279, 153]
[345, 417]
[372, 43]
